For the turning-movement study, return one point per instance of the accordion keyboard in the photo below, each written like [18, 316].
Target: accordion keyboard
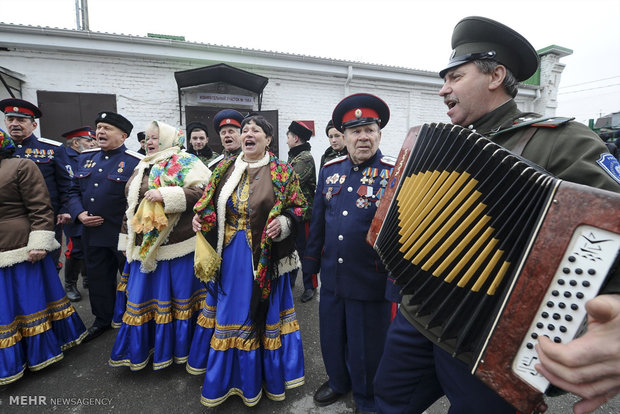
[561, 315]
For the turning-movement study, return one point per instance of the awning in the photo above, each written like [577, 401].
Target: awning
[11, 83]
[221, 73]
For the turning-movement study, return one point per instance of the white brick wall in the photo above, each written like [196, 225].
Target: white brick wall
[146, 89]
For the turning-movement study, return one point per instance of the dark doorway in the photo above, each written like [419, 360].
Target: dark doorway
[65, 111]
[205, 115]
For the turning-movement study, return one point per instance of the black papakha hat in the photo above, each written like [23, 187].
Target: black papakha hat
[329, 126]
[141, 136]
[196, 125]
[360, 109]
[115, 119]
[478, 37]
[300, 129]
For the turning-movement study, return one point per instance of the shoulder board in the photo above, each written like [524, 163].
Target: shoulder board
[544, 122]
[391, 161]
[134, 154]
[90, 150]
[215, 161]
[50, 141]
[335, 160]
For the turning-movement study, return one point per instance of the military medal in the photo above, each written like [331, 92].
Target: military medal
[362, 202]
[328, 195]
[385, 176]
[50, 154]
[121, 165]
[342, 178]
[380, 193]
[28, 152]
[368, 175]
[365, 192]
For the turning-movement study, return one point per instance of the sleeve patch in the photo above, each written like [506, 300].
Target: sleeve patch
[611, 165]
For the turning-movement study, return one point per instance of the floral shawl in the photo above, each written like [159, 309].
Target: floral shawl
[289, 200]
[170, 167]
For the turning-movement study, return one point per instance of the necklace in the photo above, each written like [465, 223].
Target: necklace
[242, 184]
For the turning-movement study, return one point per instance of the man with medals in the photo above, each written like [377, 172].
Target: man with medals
[49, 155]
[353, 313]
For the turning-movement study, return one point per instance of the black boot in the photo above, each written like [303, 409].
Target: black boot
[72, 293]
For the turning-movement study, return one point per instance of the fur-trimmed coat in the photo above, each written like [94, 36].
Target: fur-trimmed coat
[274, 194]
[26, 215]
[178, 238]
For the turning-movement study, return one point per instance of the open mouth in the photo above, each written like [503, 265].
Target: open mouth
[249, 144]
[228, 140]
[450, 103]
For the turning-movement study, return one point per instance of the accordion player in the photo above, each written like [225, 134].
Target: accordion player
[494, 252]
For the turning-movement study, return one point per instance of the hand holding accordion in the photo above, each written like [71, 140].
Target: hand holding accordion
[493, 252]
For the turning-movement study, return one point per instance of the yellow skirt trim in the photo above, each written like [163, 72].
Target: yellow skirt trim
[13, 378]
[250, 402]
[162, 311]
[36, 323]
[235, 336]
[287, 386]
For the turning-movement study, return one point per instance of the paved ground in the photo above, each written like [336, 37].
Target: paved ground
[83, 383]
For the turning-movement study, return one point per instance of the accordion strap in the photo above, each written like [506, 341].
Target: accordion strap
[523, 140]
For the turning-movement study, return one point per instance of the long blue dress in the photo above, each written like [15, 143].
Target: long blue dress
[220, 349]
[37, 321]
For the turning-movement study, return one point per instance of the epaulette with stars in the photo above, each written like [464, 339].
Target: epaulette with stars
[49, 141]
[134, 154]
[335, 160]
[544, 122]
[387, 160]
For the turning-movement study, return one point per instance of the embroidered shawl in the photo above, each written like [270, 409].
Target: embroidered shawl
[170, 167]
[289, 200]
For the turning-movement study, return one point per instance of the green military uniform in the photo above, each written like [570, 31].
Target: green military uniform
[302, 161]
[206, 155]
[569, 152]
[331, 153]
[407, 379]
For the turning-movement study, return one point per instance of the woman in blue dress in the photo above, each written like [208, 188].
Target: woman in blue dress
[247, 336]
[37, 321]
[158, 298]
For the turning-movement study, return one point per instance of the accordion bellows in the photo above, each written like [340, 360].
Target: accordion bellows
[475, 235]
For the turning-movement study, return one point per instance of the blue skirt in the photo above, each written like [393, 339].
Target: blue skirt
[159, 315]
[234, 366]
[37, 321]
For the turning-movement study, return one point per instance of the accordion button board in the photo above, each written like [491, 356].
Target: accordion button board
[561, 316]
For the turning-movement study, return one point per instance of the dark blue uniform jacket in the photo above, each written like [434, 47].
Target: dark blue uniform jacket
[51, 158]
[344, 205]
[99, 188]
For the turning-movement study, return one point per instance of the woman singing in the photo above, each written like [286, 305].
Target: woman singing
[247, 336]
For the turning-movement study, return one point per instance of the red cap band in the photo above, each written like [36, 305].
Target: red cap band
[230, 121]
[359, 113]
[19, 110]
[80, 134]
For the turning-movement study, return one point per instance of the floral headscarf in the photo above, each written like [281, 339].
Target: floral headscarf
[6, 143]
[7, 146]
[169, 136]
[169, 167]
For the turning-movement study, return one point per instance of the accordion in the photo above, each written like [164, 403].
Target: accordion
[493, 252]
